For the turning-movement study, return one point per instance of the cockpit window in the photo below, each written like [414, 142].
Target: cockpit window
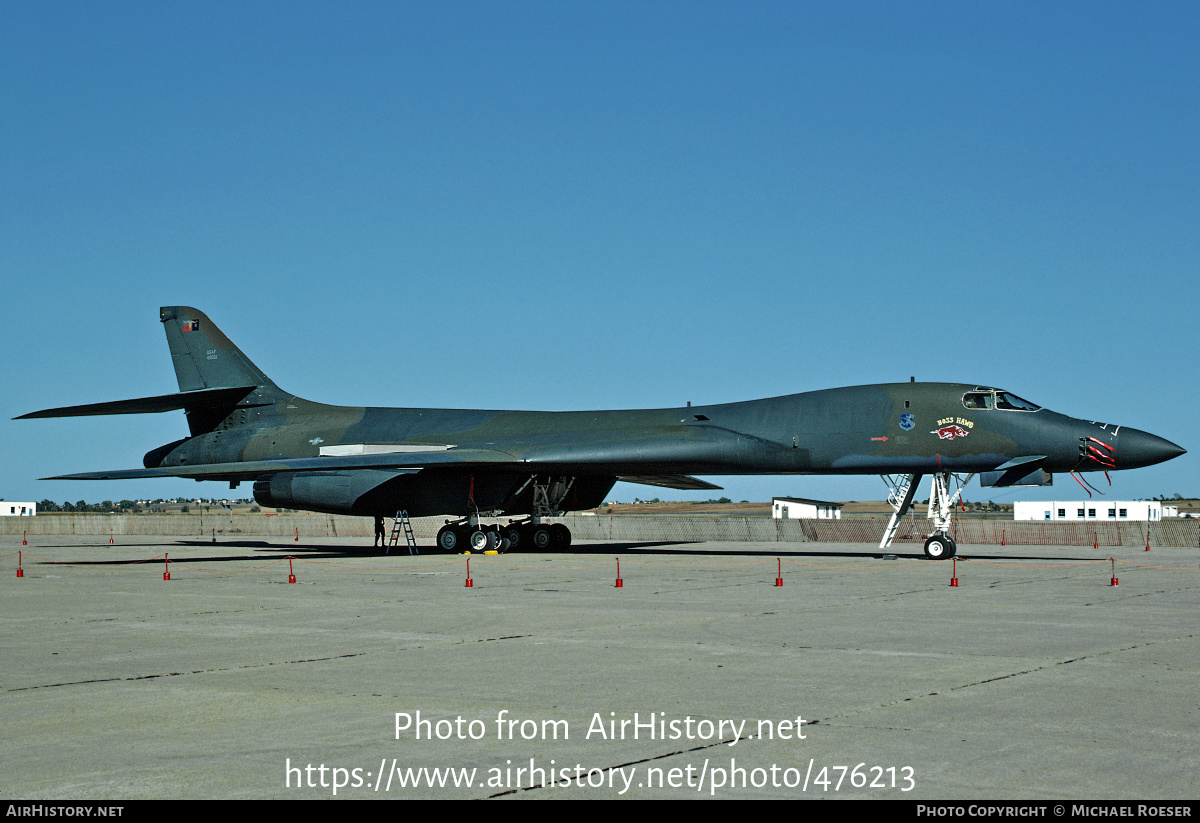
[977, 400]
[1006, 400]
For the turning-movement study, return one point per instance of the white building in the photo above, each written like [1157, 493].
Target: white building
[1117, 510]
[795, 508]
[11, 508]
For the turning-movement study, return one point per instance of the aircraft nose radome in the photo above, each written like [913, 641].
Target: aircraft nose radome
[1138, 448]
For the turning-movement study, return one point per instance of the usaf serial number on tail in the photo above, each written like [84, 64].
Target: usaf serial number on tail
[475, 464]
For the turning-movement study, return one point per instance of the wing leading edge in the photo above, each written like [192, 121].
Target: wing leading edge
[670, 481]
[401, 463]
[249, 469]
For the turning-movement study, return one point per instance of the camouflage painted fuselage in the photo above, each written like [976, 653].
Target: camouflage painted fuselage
[881, 429]
[375, 461]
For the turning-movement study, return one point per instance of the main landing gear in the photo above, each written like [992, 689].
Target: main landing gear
[524, 535]
[538, 537]
[529, 534]
[466, 536]
[939, 545]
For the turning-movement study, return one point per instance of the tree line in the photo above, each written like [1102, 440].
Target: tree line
[103, 507]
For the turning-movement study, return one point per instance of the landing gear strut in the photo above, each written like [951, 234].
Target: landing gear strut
[548, 496]
[530, 534]
[940, 545]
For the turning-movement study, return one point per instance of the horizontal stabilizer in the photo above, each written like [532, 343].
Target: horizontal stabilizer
[670, 481]
[188, 401]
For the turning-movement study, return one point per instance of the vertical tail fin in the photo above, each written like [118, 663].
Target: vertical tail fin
[204, 358]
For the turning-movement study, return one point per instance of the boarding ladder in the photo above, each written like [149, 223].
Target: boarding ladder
[902, 489]
[401, 522]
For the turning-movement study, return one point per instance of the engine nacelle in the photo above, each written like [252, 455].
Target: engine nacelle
[382, 493]
[332, 492]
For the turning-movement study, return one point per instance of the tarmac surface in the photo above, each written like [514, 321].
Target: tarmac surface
[1033, 678]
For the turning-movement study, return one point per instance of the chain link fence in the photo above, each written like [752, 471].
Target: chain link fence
[1181, 533]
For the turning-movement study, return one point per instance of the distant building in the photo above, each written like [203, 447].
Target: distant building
[10, 508]
[795, 508]
[1148, 510]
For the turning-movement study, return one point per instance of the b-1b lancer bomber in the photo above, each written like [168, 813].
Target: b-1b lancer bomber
[473, 464]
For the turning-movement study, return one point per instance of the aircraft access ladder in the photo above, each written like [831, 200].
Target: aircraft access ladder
[401, 522]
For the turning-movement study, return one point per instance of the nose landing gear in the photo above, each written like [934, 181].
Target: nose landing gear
[939, 545]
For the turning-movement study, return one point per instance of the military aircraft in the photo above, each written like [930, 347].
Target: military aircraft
[474, 464]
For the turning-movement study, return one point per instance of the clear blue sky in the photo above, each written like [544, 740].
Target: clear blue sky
[559, 205]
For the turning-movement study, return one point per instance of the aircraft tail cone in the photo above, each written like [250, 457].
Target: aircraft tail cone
[620, 584]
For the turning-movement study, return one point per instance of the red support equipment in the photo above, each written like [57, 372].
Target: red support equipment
[954, 574]
[167, 562]
[620, 583]
[470, 582]
[291, 574]
[778, 572]
[20, 571]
